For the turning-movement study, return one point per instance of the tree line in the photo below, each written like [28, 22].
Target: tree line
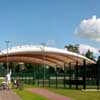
[75, 48]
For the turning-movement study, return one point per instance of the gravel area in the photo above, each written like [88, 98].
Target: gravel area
[8, 95]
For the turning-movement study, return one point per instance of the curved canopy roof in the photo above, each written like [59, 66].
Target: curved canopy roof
[42, 55]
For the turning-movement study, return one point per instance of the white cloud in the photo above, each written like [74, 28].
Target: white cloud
[89, 28]
[51, 43]
[84, 48]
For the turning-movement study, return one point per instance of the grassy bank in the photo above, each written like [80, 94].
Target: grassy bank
[77, 94]
[71, 93]
[26, 95]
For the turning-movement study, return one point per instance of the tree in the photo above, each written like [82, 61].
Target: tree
[89, 55]
[72, 48]
[98, 60]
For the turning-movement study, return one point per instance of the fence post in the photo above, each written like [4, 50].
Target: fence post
[33, 74]
[56, 78]
[38, 75]
[97, 74]
[76, 75]
[84, 74]
[64, 76]
[43, 74]
[49, 76]
[70, 81]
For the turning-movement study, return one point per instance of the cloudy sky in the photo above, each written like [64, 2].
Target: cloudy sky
[89, 29]
[57, 21]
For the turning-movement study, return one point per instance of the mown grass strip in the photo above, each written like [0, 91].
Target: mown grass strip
[77, 94]
[26, 95]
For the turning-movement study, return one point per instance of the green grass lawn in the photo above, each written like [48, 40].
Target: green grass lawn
[1, 81]
[77, 94]
[71, 93]
[26, 95]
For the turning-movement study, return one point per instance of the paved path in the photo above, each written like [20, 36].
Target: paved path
[48, 94]
[8, 95]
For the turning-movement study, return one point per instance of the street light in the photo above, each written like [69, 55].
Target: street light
[43, 54]
[7, 45]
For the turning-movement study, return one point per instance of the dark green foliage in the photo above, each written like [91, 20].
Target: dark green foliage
[72, 48]
[90, 55]
[98, 61]
[3, 70]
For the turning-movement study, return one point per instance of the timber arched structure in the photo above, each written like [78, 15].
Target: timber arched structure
[72, 71]
[42, 55]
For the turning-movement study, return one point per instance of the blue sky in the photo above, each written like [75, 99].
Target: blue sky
[37, 21]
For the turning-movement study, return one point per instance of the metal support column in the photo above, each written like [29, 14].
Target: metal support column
[7, 44]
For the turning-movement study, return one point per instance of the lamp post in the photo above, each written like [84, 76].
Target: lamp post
[43, 54]
[7, 45]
